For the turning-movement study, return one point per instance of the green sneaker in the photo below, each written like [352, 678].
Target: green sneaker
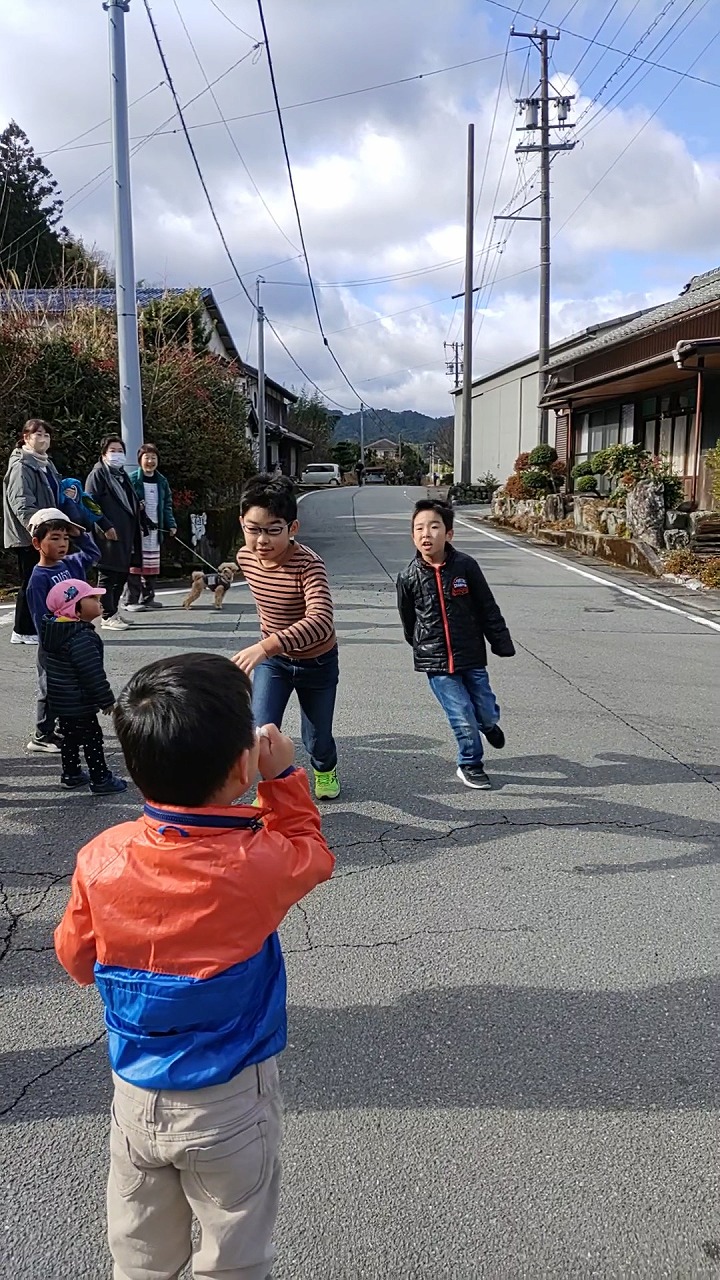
[327, 785]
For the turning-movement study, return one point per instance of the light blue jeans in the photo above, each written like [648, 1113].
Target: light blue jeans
[470, 706]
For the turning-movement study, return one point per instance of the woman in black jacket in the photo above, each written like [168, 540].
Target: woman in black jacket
[110, 485]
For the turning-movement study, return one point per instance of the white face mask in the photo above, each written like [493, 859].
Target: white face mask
[115, 460]
[39, 444]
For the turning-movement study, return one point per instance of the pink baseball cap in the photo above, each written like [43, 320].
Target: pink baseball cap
[65, 596]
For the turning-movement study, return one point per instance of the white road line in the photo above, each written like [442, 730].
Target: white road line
[593, 577]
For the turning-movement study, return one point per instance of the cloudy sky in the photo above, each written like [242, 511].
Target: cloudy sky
[376, 104]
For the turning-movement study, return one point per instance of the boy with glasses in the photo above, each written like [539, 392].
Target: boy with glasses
[298, 650]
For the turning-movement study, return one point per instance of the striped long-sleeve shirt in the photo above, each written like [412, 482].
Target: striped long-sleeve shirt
[293, 602]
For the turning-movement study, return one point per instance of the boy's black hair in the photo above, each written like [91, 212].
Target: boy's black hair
[273, 494]
[106, 441]
[182, 722]
[442, 509]
[49, 526]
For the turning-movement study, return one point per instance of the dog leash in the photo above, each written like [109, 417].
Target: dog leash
[197, 555]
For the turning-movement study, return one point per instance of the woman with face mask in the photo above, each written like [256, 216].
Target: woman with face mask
[154, 493]
[32, 484]
[109, 484]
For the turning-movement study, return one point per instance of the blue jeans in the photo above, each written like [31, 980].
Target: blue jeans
[315, 682]
[470, 705]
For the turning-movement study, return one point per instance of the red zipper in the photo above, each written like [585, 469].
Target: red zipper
[446, 625]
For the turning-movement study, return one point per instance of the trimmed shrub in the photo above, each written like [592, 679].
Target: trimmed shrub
[543, 456]
[522, 462]
[516, 488]
[586, 484]
[583, 469]
[538, 482]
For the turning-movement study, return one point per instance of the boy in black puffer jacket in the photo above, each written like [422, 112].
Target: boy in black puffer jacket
[448, 612]
[77, 685]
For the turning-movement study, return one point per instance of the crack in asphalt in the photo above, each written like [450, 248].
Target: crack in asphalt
[408, 937]
[14, 916]
[42, 1075]
[611, 711]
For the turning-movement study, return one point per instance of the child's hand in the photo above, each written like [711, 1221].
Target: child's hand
[248, 659]
[277, 752]
[107, 711]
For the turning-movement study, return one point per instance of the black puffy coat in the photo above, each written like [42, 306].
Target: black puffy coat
[73, 653]
[448, 612]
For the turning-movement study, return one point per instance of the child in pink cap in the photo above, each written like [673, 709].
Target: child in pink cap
[77, 685]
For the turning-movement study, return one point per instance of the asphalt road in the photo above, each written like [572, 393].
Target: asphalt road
[504, 1056]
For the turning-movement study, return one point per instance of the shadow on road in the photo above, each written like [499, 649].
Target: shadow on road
[519, 1048]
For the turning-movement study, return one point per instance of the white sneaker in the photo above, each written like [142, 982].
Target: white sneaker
[135, 608]
[16, 638]
[115, 624]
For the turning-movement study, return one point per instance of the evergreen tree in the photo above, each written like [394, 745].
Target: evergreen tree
[311, 418]
[31, 207]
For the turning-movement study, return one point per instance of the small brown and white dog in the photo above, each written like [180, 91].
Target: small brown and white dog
[219, 583]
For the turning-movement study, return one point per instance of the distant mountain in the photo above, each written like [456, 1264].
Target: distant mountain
[415, 428]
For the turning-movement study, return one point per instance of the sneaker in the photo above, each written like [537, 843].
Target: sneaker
[115, 624]
[109, 787]
[152, 604]
[473, 775]
[495, 736]
[49, 746]
[135, 608]
[327, 785]
[16, 638]
[75, 780]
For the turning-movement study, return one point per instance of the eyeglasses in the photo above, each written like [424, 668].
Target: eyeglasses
[272, 530]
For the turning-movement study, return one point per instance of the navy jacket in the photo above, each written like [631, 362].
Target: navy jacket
[77, 684]
[42, 579]
[448, 612]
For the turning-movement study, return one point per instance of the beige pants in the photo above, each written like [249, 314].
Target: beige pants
[211, 1153]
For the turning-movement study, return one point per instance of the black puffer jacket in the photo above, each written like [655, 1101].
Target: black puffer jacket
[448, 613]
[77, 684]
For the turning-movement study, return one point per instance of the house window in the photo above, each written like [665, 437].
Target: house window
[668, 425]
[601, 428]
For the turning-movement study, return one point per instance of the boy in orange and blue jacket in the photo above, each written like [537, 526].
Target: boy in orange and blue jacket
[174, 918]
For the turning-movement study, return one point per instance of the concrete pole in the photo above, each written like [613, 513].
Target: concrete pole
[466, 433]
[262, 446]
[544, 345]
[362, 434]
[131, 418]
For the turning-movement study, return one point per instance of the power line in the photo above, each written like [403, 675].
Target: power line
[636, 70]
[610, 48]
[353, 284]
[234, 24]
[291, 180]
[308, 102]
[208, 197]
[101, 176]
[635, 136]
[228, 130]
[68, 146]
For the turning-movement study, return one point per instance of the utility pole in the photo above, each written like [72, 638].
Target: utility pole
[453, 363]
[362, 433]
[262, 446]
[466, 428]
[131, 416]
[537, 112]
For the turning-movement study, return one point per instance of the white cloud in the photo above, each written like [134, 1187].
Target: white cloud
[380, 179]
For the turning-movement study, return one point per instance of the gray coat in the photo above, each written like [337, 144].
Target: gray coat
[27, 488]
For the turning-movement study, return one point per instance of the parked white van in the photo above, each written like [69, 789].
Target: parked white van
[321, 473]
